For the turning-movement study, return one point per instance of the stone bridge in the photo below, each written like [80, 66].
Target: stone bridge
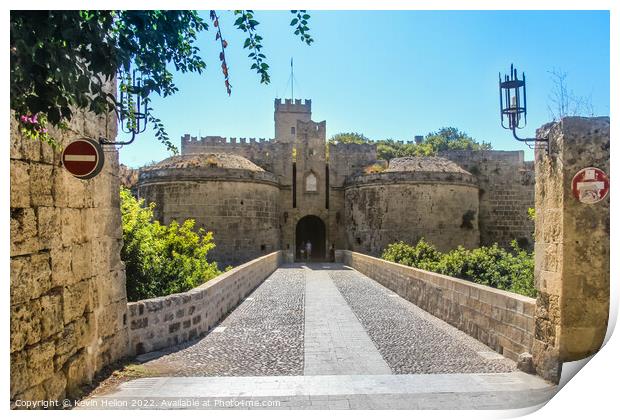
[324, 335]
[358, 333]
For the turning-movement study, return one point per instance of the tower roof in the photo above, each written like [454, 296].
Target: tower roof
[206, 160]
[424, 164]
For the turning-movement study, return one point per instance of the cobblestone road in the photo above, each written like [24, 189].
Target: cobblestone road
[327, 319]
[262, 336]
[410, 339]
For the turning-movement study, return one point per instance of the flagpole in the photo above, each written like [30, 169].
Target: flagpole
[292, 80]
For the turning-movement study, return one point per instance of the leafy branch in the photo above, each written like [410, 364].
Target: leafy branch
[246, 22]
[63, 61]
[300, 22]
[224, 44]
[160, 130]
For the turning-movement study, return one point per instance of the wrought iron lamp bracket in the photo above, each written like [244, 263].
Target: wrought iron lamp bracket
[533, 143]
[103, 140]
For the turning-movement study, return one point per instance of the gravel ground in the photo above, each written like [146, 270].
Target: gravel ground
[263, 336]
[409, 339]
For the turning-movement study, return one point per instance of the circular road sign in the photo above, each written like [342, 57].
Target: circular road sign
[590, 185]
[83, 158]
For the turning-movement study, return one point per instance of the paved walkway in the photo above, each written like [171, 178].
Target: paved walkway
[335, 342]
[263, 336]
[325, 336]
[441, 391]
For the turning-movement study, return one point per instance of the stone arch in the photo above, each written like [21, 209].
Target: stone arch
[311, 228]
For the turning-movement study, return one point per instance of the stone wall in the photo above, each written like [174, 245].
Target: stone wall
[572, 247]
[273, 156]
[165, 321]
[502, 320]
[506, 185]
[388, 207]
[344, 160]
[68, 299]
[348, 159]
[240, 207]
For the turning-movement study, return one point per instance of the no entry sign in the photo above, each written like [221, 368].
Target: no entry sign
[83, 158]
[590, 185]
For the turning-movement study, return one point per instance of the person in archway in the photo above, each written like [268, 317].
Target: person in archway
[302, 250]
[308, 250]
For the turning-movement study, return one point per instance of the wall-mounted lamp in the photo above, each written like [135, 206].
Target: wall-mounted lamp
[513, 107]
[132, 108]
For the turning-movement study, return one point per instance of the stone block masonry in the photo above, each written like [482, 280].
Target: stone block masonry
[572, 247]
[68, 299]
[165, 321]
[506, 191]
[502, 320]
[240, 207]
[384, 208]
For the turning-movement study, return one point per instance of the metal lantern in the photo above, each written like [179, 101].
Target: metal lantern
[513, 106]
[132, 110]
[511, 93]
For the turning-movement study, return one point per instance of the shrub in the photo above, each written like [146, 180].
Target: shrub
[511, 270]
[159, 259]
[375, 168]
[423, 255]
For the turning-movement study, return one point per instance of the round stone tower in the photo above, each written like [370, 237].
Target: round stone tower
[226, 194]
[415, 197]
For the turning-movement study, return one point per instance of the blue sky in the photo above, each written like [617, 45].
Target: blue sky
[389, 74]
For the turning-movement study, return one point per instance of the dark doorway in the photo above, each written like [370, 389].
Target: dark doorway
[310, 228]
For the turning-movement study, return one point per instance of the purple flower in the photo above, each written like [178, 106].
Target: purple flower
[23, 118]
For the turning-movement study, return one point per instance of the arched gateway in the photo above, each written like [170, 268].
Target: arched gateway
[310, 228]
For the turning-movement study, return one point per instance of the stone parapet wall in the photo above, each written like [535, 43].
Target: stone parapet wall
[165, 321]
[204, 174]
[68, 299]
[417, 177]
[502, 320]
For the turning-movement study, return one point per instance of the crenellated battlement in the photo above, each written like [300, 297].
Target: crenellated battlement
[217, 140]
[190, 143]
[294, 105]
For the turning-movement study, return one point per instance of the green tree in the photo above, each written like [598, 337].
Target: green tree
[159, 259]
[347, 138]
[446, 138]
[62, 61]
[450, 138]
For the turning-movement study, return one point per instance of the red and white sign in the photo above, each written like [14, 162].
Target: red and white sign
[590, 185]
[83, 158]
